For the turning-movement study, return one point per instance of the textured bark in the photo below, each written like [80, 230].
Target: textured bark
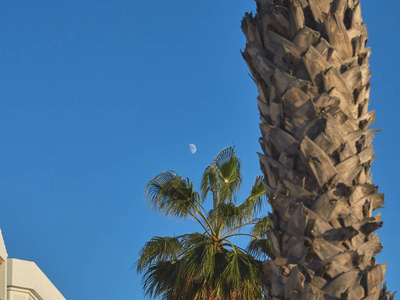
[311, 66]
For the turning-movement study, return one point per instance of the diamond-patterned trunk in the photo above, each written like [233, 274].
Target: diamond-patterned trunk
[311, 66]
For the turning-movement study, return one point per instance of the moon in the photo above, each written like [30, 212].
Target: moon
[192, 148]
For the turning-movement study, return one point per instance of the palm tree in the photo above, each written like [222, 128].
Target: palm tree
[310, 63]
[206, 265]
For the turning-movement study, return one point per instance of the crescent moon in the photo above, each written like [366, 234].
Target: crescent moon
[192, 148]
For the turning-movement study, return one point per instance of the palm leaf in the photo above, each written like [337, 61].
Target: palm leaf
[248, 291]
[198, 256]
[254, 203]
[161, 279]
[158, 249]
[260, 249]
[257, 195]
[229, 174]
[223, 176]
[227, 216]
[172, 195]
[209, 181]
[261, 227]
[241, 267]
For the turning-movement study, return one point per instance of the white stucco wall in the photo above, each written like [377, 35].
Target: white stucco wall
[3, 269]
[26, 281]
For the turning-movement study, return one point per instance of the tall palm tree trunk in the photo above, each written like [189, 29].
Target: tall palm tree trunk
[311, 66]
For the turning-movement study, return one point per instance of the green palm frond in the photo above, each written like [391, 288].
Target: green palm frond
[229, 174]
[199, 257]
[172, 195]
[158, 249]
[227, 216]
[241, 267]
[254, 203]
[167, 280]
[209, 181]
[260, 249]
[161, 278]
[261, 227]
[257, 195]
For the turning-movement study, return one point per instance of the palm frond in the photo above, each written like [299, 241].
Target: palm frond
[209, 181]
[192, 239]
[172, 195]
[161, 278]
[248, 291]
[158, 249]
[229, 174]
[254, 203]
[227, 216]
[257, 195]
[260, 249]
[261, 227]
[198, 254]
[241, 267]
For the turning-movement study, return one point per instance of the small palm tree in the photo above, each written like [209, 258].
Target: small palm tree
[206, 265]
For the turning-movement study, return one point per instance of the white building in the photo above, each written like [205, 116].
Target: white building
[23, 280]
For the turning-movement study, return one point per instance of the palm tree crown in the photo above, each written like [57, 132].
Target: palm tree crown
[206, 265]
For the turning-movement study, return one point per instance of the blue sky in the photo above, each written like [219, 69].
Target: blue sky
[98, 97]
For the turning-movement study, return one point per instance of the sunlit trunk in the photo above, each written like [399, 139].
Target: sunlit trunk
[310, 63]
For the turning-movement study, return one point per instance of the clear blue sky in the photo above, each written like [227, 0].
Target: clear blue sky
[97, 97]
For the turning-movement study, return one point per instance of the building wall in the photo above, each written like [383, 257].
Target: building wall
[15, 294]
[26, 276]
[3, 269]
[23, 280]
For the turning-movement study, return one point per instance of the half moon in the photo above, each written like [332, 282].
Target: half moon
[192, 148]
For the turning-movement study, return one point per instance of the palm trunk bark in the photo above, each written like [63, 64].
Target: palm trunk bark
[310, 63]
